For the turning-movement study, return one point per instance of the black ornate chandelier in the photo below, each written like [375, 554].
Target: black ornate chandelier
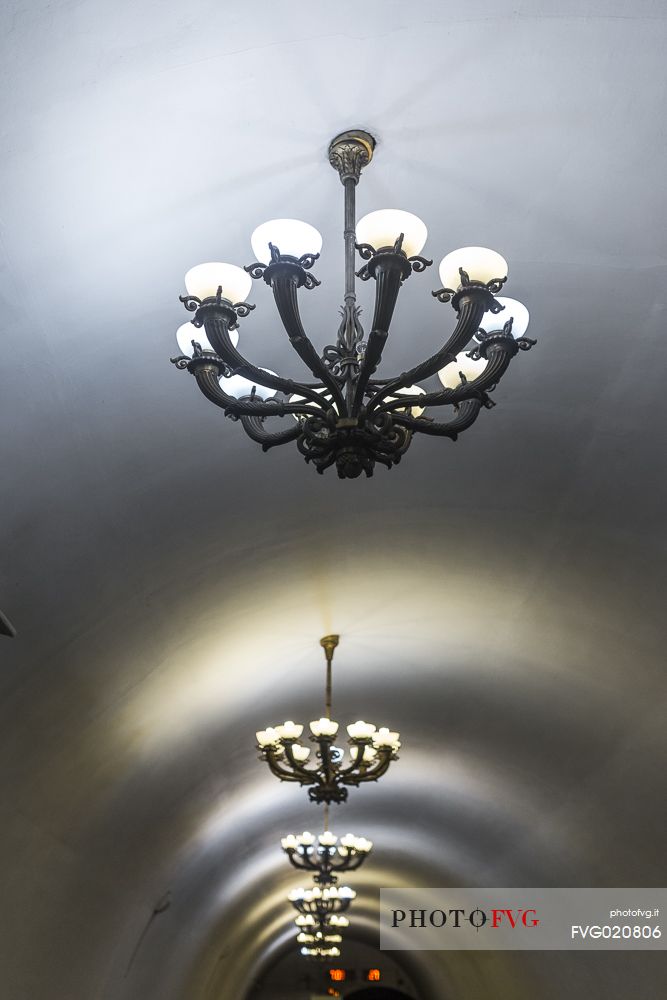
[326, 857]
[348, 417]
[370, 754]
[320, 903]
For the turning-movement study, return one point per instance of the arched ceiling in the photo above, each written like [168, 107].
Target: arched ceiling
[500, 600]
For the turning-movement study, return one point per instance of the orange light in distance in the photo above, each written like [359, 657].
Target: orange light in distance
[337, 975]
[373, 975]
[332, 992]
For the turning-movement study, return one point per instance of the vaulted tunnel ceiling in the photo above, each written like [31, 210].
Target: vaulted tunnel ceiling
[500, 600]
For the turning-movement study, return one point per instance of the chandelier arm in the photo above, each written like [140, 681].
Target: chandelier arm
[217, 326]
[374, 772]
[310, 776]
[472, 306]
[207, 377]
[499, 354]
[254, 429]
[285, 295]
[372, 356]
[349, 864]
[280, 772]
[301, 861]
[356, 759]
[469, 410]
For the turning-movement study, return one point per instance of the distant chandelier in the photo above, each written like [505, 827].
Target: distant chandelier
[324, 954]
[329, 922]
[320, 903]
[325, 860]
[371, 750]
[347, 417]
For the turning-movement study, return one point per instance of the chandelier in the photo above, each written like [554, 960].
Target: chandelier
[324, 954]
[347, 416]
[329, 857]
[371, 750]
[321, 903]
[329, 922]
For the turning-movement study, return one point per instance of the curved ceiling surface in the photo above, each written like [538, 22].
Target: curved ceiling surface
[500, 600]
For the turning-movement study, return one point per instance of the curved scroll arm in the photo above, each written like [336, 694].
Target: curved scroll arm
[281, 772]
[218, 321]
[284, 287]
[465, 418]
[358, 771]
[207, 377]
[254, 429]
[472, 304]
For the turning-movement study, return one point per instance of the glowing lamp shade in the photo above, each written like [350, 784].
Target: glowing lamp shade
[187, 333]
[205, 279]
[514, 310]
[479, 263]
[382, 229]
[291, 236]
[237, 385]
[450, 376]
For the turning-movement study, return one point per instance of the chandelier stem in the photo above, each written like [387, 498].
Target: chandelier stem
[328, 644]
[350, 236]
[326, 817]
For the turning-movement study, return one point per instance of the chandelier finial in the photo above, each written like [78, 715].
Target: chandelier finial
[349, 152]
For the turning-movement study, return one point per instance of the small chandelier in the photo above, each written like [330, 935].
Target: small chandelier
[324, 954]
[330, 921]
[347, 416]
[326, 860]
[371, 750]
[321, 903]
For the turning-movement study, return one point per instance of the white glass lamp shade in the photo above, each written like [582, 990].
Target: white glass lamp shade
[238, 386]
[369, 754]
[306, 838]
[296, 894]
[450, 375]
[291, 236]
[203, 280]
[411, 390]
[479, 263]
[289, 843]
[305, 920]
[382, 229]
[327, 839]
[360, 730]
[187, 333]
[337, 921]
[333, 938]
[385, 737]
[324, 727]
[267, 737]
[305, 938]
[289, 730]
[514, 310]
[300, 754]
[346, 893]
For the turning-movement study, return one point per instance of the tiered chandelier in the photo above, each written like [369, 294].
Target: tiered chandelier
[371, 750]
[348, 417]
